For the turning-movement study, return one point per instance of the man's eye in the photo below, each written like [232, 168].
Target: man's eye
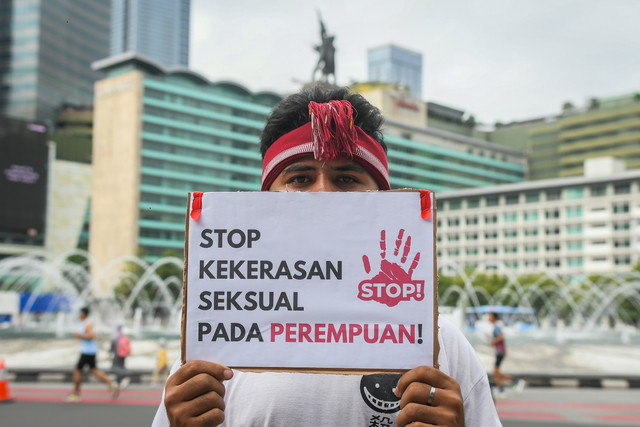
[346, 179]
[299, 179]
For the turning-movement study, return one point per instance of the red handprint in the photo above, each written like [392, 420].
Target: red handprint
[393, 283]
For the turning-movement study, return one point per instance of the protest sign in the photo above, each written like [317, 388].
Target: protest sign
[336, 281]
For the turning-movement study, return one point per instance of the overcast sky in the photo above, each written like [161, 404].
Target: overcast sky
[499, 60]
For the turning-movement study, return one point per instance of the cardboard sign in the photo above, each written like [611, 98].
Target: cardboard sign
[336, 281]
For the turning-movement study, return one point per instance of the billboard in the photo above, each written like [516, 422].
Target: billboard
[23, 180]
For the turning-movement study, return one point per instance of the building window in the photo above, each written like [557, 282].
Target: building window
[574, 212]
[531, 232]
[453, 222]
[552, 213]
[598, 190]
[512, 199]
[574, 246]
[531, 216]
[621, 243]
[473, 203]
[574, 262]
[491, 235]
[491, 219]
[551, 231]
[455, 205]
[619, 208]
[574, 229]
[553, 195]
[453, 237]
[617, 226]
[472, 220]
[532, 197]
[622, 188]
[511, 233]
[575, 193]
[511, 217]
[493, 200]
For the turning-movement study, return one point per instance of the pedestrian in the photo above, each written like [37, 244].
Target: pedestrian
[162, 362]
[120, 350]
[88, 352]
[498, 341]
[298, 158]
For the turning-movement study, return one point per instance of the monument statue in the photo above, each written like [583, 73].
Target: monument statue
[326, 61]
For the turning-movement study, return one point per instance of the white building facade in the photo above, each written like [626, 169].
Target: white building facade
[568, 226]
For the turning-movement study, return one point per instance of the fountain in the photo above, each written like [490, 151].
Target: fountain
[604, 310]
[147, 299]
[140, 298]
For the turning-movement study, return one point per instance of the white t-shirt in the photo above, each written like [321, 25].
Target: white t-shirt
[297, 399]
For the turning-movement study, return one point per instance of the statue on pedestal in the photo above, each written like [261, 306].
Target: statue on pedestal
[326, 61]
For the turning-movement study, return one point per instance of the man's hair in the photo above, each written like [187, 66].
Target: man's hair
[293, 112]
[85, 311]
[495, 315]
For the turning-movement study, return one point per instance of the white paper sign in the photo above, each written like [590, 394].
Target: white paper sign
[311, 280]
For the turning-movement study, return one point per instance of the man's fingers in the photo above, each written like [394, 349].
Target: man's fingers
[426, 375]
[194, 394]
[416, 414]
[195, 367]
[205, 410]
[193, 388]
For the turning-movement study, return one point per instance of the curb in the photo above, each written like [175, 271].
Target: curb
[65, 375]
[577, 380]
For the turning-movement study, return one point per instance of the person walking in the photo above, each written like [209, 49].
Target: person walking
[162, 363]
[497, 340]
[88, 352]
[120, 350]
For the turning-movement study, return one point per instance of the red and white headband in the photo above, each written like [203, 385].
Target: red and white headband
[330, 134]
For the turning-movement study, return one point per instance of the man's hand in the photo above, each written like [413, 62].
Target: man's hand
[194, 394]
[414, 387]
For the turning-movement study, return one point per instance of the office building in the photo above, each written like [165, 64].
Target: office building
[47, 47]
[559, 144]
[157, 29]
[157, 135]
[570, 226]
[394, 64]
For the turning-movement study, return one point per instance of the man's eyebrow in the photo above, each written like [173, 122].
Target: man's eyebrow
[298, 167]
[349, 167]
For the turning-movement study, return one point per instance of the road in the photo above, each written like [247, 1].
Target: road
[43, 404]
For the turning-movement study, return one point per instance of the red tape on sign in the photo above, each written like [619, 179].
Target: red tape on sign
[196, 205]
[425, 204]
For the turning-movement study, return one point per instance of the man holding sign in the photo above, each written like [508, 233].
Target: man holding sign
[328, 140]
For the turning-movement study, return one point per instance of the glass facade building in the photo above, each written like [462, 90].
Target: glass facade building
[157, 29]
[46, 51]
[393, 64]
